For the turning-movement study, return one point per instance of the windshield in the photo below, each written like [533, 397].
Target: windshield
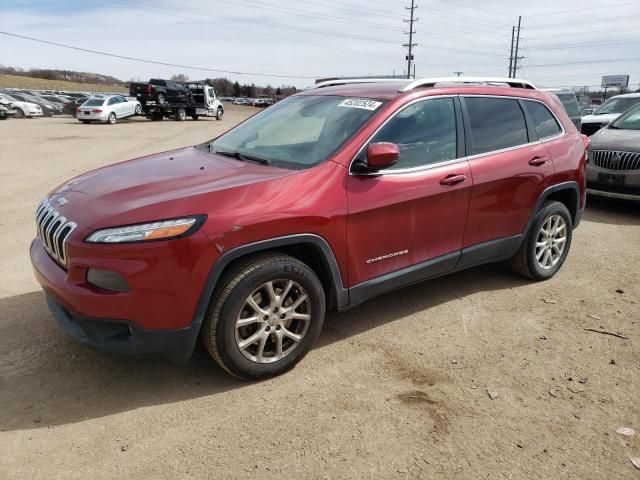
[616, 105]
[628, 121]
[93, 102]
[298, 132]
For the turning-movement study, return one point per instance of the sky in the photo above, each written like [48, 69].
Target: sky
[292, 42]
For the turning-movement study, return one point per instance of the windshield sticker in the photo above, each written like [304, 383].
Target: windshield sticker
[360, 103]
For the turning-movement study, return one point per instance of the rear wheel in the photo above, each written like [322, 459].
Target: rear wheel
[161, 98]
[180, 115]
[546, 244]
[156, 117]
[138, 109]
[219, 113]
[86, 122]
[111, 119]
[195, 117]
[265, 317]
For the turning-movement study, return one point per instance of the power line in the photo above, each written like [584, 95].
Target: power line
[155, 62]
[585, 62]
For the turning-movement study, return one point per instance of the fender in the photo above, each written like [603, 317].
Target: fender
[571, 185]
[341, 294]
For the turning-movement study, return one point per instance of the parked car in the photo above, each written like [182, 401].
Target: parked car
[586, 110]
[570, 103]
[608, 111]
[160, 91]
[242, 240]
[613, 166]
[241, 101]
[6, 110]
[45, 110]
[107, 109]
[34, 97]
[22, 109]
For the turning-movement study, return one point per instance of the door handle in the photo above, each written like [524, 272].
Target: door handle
[538, 161]
[453, 179]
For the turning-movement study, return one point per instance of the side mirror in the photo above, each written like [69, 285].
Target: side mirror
[382, 155]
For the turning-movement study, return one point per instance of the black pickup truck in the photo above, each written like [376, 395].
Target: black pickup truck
[160, 91]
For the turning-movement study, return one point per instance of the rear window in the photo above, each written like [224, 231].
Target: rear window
[570, 104]
[496, 123]
[94, 102]
[543, 120]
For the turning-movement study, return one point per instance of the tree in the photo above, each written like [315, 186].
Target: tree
[180, 77]
[252, 90]
[237, 92]
[278, 91]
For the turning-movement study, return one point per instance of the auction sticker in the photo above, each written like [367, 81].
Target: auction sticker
[360, 103]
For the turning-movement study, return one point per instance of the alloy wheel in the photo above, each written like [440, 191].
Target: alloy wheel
[551, 241]
[273, 321]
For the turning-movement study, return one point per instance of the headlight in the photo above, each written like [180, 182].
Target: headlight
[160, 230]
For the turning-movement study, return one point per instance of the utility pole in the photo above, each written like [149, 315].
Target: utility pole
[411, 32]
[513, 33]
[458, 73]
[516, 58]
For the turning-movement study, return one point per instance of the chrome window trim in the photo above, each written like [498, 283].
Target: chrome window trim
[455, 160]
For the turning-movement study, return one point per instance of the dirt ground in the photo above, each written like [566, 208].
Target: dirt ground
[397, 388]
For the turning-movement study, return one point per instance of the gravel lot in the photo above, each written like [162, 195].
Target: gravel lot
[397, 388]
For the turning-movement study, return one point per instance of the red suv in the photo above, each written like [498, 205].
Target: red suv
[345, 191]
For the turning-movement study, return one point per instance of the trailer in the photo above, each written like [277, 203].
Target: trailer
[202, 102]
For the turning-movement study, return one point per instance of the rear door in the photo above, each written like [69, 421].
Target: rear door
[408, 221]
[510, 169]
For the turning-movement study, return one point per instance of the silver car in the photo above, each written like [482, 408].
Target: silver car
[107, 109]
[613, 167]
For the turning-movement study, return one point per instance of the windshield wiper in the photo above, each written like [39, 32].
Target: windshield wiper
[243, 157]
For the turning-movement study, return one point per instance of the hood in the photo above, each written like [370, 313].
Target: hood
[25, 105]
[615, 140]
[157, 186]
[604, 118]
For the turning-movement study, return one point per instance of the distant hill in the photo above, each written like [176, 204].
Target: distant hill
[65, 75]
[22, 81]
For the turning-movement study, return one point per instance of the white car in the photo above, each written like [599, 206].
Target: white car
[22, 109]
[608, 112]
[107, 109]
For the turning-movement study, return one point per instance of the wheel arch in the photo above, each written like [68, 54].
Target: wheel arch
[567, 193]
[311, 249]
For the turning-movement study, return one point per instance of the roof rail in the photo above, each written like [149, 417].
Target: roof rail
[348, 81]
[431, 82]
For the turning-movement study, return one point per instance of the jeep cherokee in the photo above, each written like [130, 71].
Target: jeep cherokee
[345, 191]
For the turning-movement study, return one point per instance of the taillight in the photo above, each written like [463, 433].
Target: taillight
[149, 89]
[585, 140]
[96, 110]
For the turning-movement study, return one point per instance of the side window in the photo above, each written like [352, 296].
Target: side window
[496, 123]
[543, 121]
[425, 133]
[112, 101]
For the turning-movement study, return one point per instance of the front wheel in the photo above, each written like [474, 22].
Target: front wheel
[546, 244]
[219, 113]
[265, 317]
[195, 117]
[19, 113]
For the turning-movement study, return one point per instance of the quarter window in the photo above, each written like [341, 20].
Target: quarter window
[496, 123]
[425, 133]
[543, 121]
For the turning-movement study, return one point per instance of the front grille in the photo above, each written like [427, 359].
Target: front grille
[616, 161]
[54, 231]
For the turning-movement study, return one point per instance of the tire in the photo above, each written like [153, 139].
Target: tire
[86, 122]
[111, 119]
[156, 117]
[19, 113]
[247, 284]
[219, 113]
[532, 260]
[180, 115]
[195, 117]
[138, 109]
[161, 98]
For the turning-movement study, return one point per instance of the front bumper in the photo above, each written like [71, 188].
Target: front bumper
[619, 184]
[126, 338]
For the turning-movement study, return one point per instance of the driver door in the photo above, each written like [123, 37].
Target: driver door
[407, 222]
